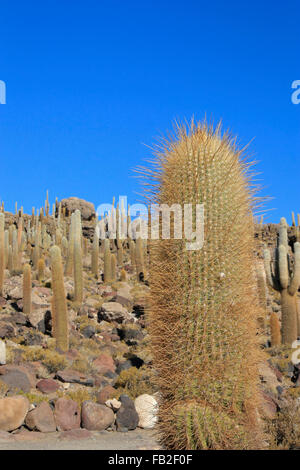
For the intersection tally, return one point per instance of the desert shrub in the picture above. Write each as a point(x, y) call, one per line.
point(51, 359)
point(135, 382)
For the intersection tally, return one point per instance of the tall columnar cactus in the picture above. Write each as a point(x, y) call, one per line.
point(286, 280)
point(59, 301)
point(95, 254)
point(70, 257)
point(113, 267)
point(27, 289)
point(41, 269)
point(107, 261)
point(2, 253)
point(78, 268)
point(203, 302)
point(139, 258)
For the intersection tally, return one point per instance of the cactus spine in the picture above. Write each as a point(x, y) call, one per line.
point(27, 289)
point(281, 277)
point(59, 301)
point(203, 302)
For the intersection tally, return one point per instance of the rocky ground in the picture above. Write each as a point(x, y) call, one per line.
point(101, 393)
point(104, 383)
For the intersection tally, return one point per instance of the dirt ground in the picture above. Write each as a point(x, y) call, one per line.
point(104, 440)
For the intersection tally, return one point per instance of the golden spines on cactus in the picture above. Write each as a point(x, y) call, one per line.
point(123, 275)
point(203, 305)
point(41, 269)
point(275, 330)
point(59, 299)
point(27, 289)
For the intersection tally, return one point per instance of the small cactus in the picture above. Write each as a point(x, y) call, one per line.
point(280, 278)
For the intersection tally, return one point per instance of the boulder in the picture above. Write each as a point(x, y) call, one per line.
point(104, 363)
point(41, 418)
point(113, 311)
point(127, 418)
point(47, 386)
point(105, 394)
point(16, 380)
point(96, 417)
point(147, 408)
point(66, 414)
point(71, 204)
point(13, 411)
point(7, 330)
point(72, 376)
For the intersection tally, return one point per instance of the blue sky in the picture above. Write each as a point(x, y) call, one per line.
point(88, 83)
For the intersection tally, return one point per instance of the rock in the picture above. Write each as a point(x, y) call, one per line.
point(7, 330)
point(104, 364)
point(104, 394)
point(72, 376)
point(114, 404)
point(47, 386)
point(147, 408)
point(113, 311)
point(2, 353)
point(126, 417)
point(37, 319)
point(96, 417)
point(13, 411)
point(41, 418)
point(88, 331)
point(268, 406)
point(71, 204)
point(66, 414)
point(123, 366)
point(16, 380)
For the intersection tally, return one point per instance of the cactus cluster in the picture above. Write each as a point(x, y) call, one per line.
point(285, 278)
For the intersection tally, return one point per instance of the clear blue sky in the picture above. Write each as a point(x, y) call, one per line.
point(88, 82)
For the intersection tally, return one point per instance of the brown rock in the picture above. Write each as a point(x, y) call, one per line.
point(96, 417)
point(47, 386)
point(41, 418)
point(113, 311)
point(13, 411)
point(268, 408)
point(104, 363)
point(67, 414)
point(104, 394)
point(71, 204)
